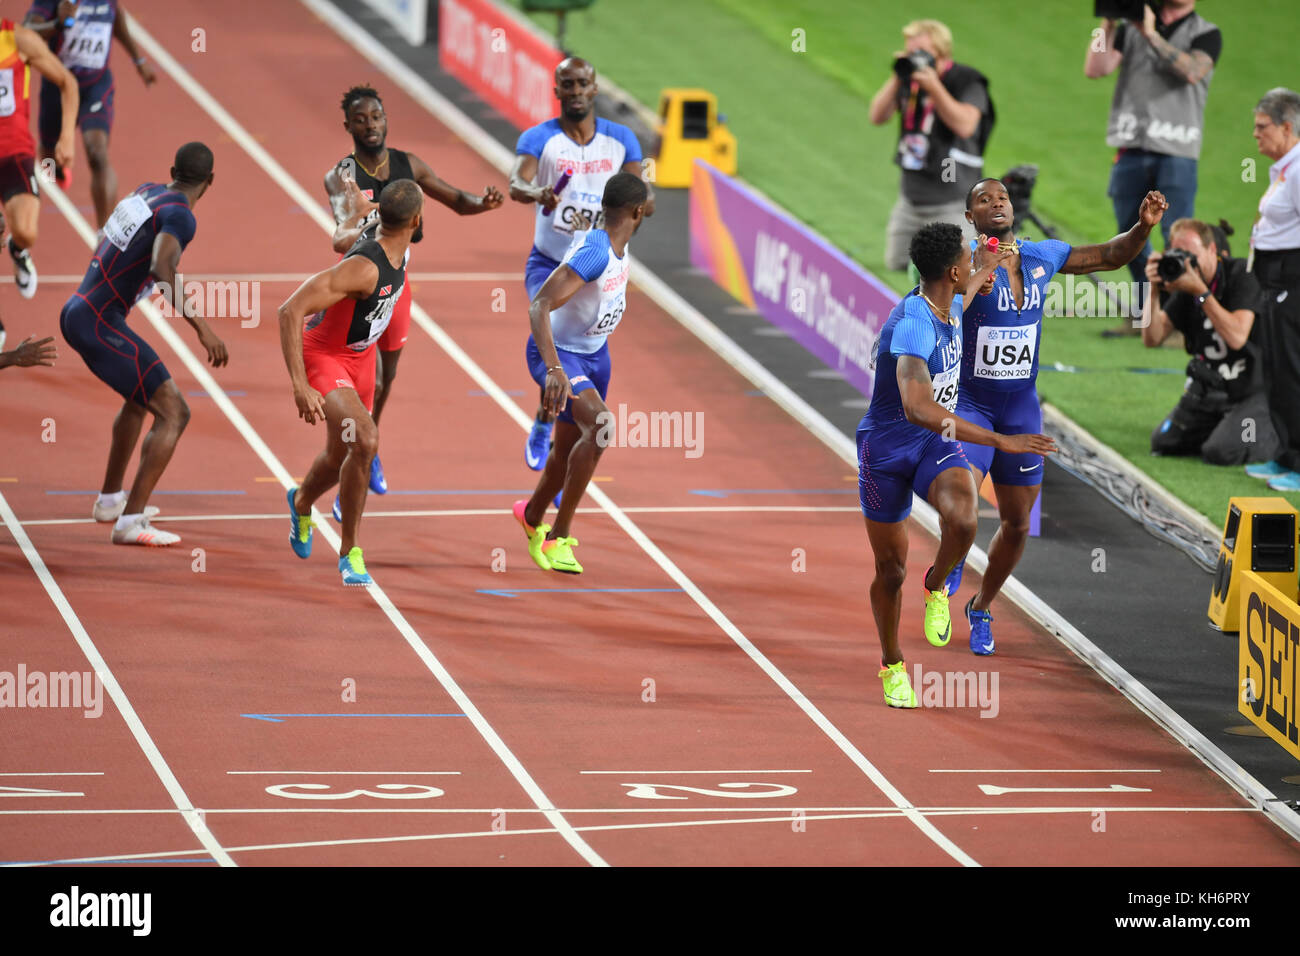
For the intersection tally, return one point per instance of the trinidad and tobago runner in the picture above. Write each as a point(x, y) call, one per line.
point(332, 367)
point(142, 241)
point(562, 165)
point(911, 441)
point(999, 366)
point(21, 50)
point(572, 316)
point(371, 166)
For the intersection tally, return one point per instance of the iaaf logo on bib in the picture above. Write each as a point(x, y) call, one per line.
point(75, 908)
point(626, 429)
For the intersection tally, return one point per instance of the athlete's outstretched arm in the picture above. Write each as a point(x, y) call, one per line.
point(123, 33)
point(559, 287)
point(33, 49)
point(458, 200)
point(353, 278)
point(1121, 250)
point(637, 168)
point(64, 11)
point(915, 388)
point(522, 188)
point(352, 210)
point(166, 257)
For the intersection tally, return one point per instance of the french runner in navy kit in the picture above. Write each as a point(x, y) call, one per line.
point(354, 186)
point(910, 440)
point(1000, 365)
point(332, 367)
point(143, 241)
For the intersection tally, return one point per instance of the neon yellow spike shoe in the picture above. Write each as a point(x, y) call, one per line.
point(938, 624)
point(898, 689)
point(353, 569)
point(536, 536)
point(559, 551)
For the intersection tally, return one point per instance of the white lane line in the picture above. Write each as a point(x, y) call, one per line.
point(193, 818)
point(500, 158)
point(690, 318)
point(268, 458)
point(69, 773)
point(631, 773)
point(452, 513)
point(859, 814)
point(486, 811)
point(350, 773)
point(1045, 771)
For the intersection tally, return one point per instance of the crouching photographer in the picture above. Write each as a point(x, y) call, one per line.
point(1211, 299)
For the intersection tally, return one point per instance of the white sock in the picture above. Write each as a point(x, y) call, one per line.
point(110, 501)
point(126, 521)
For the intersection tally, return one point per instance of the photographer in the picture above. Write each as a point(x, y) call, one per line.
point(1165, 62)
point(1275, 247)
point(1211, 299)
point(946, 118)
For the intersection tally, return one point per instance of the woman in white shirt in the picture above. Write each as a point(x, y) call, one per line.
point(1275, 254)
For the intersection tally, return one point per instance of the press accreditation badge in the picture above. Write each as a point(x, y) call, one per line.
point(131, 213)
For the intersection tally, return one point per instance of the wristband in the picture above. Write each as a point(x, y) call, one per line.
point(555, 368)
point(1200, 299)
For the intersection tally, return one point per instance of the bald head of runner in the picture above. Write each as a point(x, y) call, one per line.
point(191, 171)
point(400, 206)
point(989, 209)
point(575, 88)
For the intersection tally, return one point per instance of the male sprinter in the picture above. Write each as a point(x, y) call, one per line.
point(372, 165)
point(910, 440)
point(575, 311)
point(143, 241)
point(21, 49)
point(81, 34)
point(332, 367)
point(1000, 364)
point(584, 152)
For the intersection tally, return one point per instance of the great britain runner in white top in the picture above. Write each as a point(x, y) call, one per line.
point(571, 318)
point(563, 166)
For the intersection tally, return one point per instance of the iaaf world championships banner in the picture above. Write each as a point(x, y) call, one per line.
point(796, 279)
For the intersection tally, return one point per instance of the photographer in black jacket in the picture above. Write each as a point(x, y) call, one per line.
point(1211, 299)
point(946, 118)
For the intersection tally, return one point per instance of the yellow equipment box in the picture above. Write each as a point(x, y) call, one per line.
point(690, 129)
point(1259, 535)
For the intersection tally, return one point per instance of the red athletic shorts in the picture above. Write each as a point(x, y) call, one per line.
point(399, 326)
point(331, 368)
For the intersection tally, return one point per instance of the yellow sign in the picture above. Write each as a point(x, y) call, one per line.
point(1259, 534)
point(1268, 679)
point(690, 128)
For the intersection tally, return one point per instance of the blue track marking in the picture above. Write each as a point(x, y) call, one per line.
point(511, 592)
point(280, 718)
point(724, 492)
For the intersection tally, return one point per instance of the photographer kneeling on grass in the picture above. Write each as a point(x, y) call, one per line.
point(1211, 299)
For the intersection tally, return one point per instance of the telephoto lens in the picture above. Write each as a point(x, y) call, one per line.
point(1173, 264)
point(905, 66)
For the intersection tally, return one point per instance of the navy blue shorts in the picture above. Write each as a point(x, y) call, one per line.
point(584, 371)
point(1008, 413)
point(94, 112)
point(896, 460)
point(117, 356)
point(537, 270)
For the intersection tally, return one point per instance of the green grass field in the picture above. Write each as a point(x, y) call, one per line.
point(804, 139)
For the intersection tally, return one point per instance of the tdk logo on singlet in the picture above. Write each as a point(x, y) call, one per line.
point(1005, 352)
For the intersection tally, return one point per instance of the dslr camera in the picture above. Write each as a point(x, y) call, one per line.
point(1173, 264)
point(905, 66)
point(1123, 9)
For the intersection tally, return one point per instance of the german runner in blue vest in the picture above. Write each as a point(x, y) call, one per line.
point(1000, 344)
point(910, 441)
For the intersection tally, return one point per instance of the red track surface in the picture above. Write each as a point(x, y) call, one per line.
point(559, 676)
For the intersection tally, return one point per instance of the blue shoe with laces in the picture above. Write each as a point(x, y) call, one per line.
point(981, 633)
point(1287, 481)
point(299, 528)
point(538, 446)
point(353, 569)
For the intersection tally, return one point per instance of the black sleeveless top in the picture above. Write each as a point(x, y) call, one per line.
point(399, 167)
